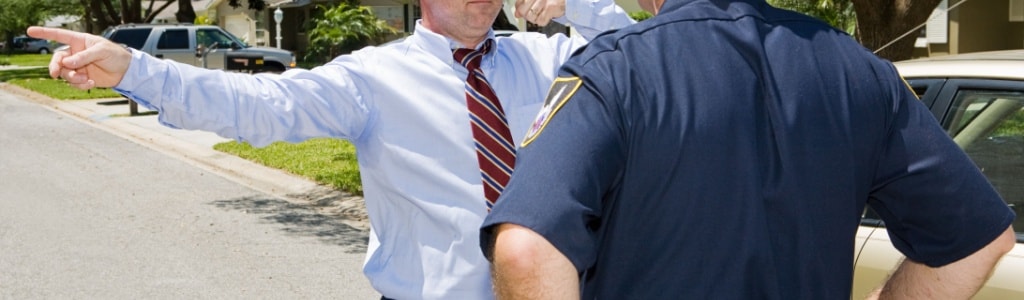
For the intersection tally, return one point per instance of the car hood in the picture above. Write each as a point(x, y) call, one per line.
point(269, 50)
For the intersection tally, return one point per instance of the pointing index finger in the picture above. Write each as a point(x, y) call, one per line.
point(75, 40)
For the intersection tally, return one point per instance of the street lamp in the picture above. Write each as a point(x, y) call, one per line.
point(278, 16)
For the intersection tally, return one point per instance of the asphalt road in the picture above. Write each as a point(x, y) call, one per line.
point(87, 214)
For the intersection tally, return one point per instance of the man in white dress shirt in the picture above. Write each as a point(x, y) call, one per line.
point(402, 105)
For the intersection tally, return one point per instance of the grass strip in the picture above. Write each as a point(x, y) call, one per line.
point(328, 161)
point(58, 89)
point(26, 60)
point(12, 74)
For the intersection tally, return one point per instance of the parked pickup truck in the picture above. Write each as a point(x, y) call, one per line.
point(200, 45)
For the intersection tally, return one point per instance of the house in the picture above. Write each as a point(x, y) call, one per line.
point(964, 26)
point(65, 21)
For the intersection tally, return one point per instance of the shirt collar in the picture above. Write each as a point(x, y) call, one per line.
point(440, 46)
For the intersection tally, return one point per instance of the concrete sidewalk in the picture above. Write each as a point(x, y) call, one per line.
point(196, 148)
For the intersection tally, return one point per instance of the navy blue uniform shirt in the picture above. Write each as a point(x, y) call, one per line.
point(727, 149)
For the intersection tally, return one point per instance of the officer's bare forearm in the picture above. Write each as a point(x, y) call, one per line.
point(527, 266)
point(957, 280)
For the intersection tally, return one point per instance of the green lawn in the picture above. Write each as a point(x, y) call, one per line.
point(38, 78)
point(40, 72)
point(331, 162)
point(25, 60)
point(58, 89)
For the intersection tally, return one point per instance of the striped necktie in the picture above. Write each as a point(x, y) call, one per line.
point(494, 149)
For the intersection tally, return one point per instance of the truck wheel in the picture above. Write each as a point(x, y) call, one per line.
point(273, 68)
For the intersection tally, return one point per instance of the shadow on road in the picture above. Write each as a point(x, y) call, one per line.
point(311, 220)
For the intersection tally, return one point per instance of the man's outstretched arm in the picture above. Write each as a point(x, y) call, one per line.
point(958, 280)
point(526, 266)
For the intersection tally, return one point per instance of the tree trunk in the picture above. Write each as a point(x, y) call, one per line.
point(186, 14)
point(87, 16)
point(111, 14)
point(101, 19)
point(152, 14)
point(880, 22)
point(125, 13)
point(135, 7)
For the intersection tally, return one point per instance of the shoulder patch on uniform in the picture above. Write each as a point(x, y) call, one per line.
point(561, 90)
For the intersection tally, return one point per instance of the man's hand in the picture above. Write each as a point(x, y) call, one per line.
point(540, 12)
point(89, 62)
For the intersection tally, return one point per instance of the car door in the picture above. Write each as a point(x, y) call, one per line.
point(986, 118)
point(217, 43)
point(175, 44)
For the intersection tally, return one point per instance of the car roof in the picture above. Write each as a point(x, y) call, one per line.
point(137, 25)
point(1006, 64)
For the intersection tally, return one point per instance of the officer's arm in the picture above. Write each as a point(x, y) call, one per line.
point(958, 280)
point(527, 266)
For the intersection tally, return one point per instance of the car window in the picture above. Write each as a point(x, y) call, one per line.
point(207, 37)
point(989, 126)
point(173, 39)
point(134, 38)
point(926, 89)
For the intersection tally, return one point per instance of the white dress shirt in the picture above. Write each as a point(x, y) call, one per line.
point(403, 106)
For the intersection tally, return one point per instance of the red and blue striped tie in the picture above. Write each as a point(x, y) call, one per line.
point(494, 149)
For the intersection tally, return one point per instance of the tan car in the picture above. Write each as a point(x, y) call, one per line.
point(979, 99)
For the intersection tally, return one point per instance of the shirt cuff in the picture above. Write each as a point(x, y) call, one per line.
point(592, 17)
point(144, 80)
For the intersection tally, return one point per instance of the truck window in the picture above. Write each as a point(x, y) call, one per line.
point(173, 39)
point(206, 37)
point(134, 38)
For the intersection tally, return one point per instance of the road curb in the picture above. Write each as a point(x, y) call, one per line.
point(253, 175)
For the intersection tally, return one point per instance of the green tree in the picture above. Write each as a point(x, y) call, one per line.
point(187, 14)
point(881, 22)
point(343, 28)
point(18, 15)
point(838, 13)
point(640, 15)
point(875, 23)
point(100, 14)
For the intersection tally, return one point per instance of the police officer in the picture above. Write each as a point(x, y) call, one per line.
point(726, 149)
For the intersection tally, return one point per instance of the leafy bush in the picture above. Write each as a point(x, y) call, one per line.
point(640, 15)
point(344, 28)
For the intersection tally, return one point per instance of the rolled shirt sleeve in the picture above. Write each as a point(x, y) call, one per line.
point(592, 17)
